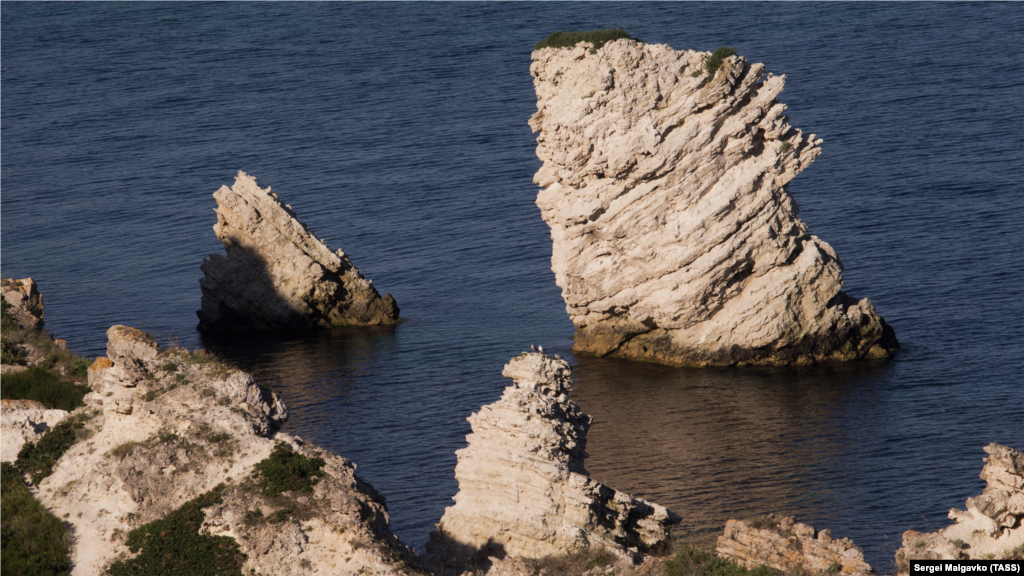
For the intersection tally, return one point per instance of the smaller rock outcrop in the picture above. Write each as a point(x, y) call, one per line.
point(26, 303)
point(992, 527)
point(164, 427)
point(24, 421)
point(523, 489)
point(277, 274)
point(790, 546)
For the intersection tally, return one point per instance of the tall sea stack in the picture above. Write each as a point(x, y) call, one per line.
point(674, 238)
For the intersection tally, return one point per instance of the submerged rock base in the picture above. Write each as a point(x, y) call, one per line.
point(277, 274)
point(523, 489)
point(674, 238)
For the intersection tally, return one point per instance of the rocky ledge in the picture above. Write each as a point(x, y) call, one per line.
point(523, 488)
point(790, 546)
point(277, 274)
point(675, 239)
point(992, 527)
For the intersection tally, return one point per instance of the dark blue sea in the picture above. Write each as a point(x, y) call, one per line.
point(398, 132)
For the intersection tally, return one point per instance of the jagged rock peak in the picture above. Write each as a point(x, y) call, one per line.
point(523, 488)
point(992, 527)
point(790, 546)
point(25, 301)
point(674, 238)
point(277, 274)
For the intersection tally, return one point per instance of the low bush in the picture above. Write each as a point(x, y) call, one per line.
point(37, 458)
point(285, 470)
point(693, 562)
point(762, 522)
point(575, 563)
point(11, 352)
point(173, 546)
point(596, 37)
point(714, 62)
point(33, 540)
point(44, 386)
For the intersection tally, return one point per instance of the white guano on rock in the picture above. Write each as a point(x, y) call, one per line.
point(674, 238)
point(523, 489)
point(277, 274)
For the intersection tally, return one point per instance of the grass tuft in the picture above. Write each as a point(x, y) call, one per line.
point(285, 470)
point(34, 541)
point(173, 546)
point(596, 37)
point(43, 385)
point(714, 62)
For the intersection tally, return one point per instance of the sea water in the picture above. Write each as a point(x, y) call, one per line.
point(398, 132)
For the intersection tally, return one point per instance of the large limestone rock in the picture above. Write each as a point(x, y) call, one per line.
point(992, 527)
point(523, 489)
point(162, 427)
point(790, 546)
point(277, 274)
point(674, 237)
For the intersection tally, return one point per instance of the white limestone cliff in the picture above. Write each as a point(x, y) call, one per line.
point(523, 489)
point(277, 274)
point(992, 527)
point(674, 238)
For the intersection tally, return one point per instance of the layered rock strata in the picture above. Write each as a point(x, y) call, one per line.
point(26, 303)
point(277, 274)
point(674, 238)
point(162, 427)
point(790, 546)
point(992, 527)
point(523, 488)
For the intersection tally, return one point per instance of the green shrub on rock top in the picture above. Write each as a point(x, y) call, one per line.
point(173, 546)
point(285, 470)
point(714, 62)
point(693, 562)
point(34, 541)
point(596, 37)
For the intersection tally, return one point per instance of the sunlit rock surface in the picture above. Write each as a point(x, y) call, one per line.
point(277, 274)
point(523, 489)
point(674, 238)
point(790, 546)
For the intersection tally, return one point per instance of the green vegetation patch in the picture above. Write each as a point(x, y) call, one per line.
point(714, 62)
point(285, 470)
point(37, 458)
point(44, 386)
point(173, 546)
point(8, 323)
point(34, 542)
point(693, 562)
point(596, 37)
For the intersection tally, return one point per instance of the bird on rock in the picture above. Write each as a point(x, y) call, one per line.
point(533, 347)
point(540, 349)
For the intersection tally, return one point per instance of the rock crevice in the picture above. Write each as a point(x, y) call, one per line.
point(277, 274)
point(674, 238)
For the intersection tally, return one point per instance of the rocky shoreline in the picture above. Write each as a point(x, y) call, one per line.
point(165, 431)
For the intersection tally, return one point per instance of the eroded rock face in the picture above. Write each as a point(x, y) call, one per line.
point(790, 546)
point(991, 527)
point(523, 489)
point(165, 426)
point(674, 238)
point(277, 274)
point(25, 300)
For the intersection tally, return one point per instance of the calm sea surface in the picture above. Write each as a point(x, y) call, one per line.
point(398, 132)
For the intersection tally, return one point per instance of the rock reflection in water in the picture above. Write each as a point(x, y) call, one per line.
point(725, 443)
